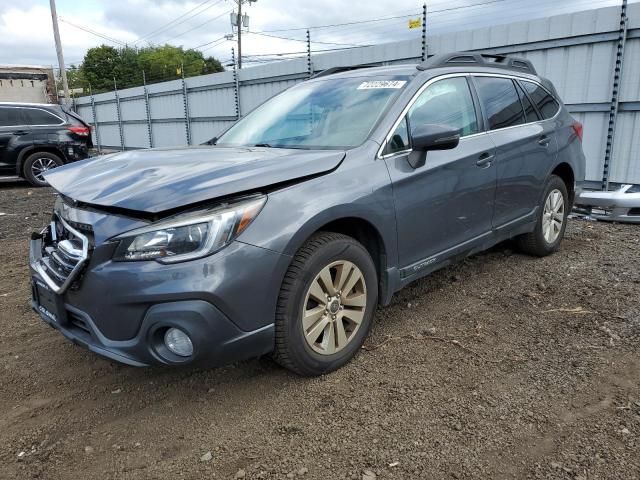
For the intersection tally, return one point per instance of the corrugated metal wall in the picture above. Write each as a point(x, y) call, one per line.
point(576, 51)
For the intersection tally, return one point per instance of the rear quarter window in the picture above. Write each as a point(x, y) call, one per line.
point(546, 104)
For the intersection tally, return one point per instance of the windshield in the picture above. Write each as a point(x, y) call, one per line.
point(334, 113)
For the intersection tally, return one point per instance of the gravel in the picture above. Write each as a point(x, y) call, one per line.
point(502, 366)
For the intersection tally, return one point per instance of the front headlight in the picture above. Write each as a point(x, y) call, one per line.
point(188, 236)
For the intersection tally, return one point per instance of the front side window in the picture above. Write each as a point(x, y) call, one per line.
point(399, 141)
point(547, 105)
point(446, 102)
point(326, 114)
point(35, 116)
point(10, 117)
point(500, 101)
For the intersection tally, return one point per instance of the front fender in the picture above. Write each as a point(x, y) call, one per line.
point(293, 214)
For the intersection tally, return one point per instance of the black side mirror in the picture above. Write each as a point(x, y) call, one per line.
point(431, 137)
point(212, 141)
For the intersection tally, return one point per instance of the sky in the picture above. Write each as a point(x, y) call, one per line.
point(26, 34)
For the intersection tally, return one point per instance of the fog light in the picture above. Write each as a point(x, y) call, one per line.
point(178, 342)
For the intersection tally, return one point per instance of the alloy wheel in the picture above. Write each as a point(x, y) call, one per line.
point(334, 307)
point(553, 216)
point(40, 166)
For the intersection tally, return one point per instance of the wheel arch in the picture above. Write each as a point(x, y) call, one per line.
point(566, 173)
point(362, 229)
point(24, 153)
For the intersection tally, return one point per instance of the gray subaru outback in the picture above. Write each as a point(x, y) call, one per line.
point(285, 235)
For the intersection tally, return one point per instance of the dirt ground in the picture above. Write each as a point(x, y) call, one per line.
point(504, 366)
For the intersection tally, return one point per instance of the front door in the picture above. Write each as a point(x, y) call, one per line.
point(12, 132)
point(447, 203)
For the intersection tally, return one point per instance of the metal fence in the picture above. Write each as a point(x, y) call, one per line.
point(593, 58)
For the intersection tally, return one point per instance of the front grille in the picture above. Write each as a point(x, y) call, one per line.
point(64, 252)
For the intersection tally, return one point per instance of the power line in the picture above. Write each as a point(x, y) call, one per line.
point(382, 19)
point(199, 25)
point(178, 20)
point(93, 32)
point(341, 24)
point(521, 9)
point(302, 52)
point(214, 45)
point(305, 41)
point(211, 44)
point(208, 43)
point(461, 7)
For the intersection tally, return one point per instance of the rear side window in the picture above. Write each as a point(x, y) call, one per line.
point(35, 116)
point(10, 117)
point(500, 102)
point(529, 112)
point(547, 105)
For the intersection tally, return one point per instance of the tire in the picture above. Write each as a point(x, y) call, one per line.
point(329, 336)
point(36, 164)
point(542, 241)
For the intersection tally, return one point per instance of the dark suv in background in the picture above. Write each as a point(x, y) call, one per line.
point(35, 138)
point(306, 214)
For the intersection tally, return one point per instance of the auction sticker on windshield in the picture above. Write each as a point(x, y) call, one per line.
point(382, 84)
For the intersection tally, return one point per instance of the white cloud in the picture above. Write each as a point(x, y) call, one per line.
point(26, 35)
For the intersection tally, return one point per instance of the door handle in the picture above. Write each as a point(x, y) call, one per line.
point(544, 141)
point(484, 160)
point(20, 132)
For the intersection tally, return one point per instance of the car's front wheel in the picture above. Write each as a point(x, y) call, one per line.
point(326, 305)
point(37, 164)
point(552, 220)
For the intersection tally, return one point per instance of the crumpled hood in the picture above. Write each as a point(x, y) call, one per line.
point(156, 180)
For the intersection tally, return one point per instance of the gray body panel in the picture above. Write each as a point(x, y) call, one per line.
point(425, 218)
point(447, 202)
point(523, 165)
point(157, 180)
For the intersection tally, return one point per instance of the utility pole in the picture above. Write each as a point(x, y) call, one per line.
point(239, 34)
point(239, 21)
point(56, 36)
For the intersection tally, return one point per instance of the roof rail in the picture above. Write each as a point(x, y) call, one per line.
point(332, 70)
point(478, 59)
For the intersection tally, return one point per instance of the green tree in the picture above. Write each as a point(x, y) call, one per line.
point(99, 66)
point(167, 62)
point(160, 63)
point(127, 71)
point(212, 65)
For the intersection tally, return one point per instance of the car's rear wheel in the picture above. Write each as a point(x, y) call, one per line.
point(326, 305)
point(552, 220)
point(37, 164)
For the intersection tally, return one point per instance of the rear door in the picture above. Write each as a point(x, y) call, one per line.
point(448, 201)
point(14, 134)
point(44, 126)
point(525, 147)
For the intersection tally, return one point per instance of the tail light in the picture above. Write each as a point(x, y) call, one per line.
point(577, 127)
point(80, 130)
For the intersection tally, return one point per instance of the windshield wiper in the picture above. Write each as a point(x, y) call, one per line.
point(266, 145)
